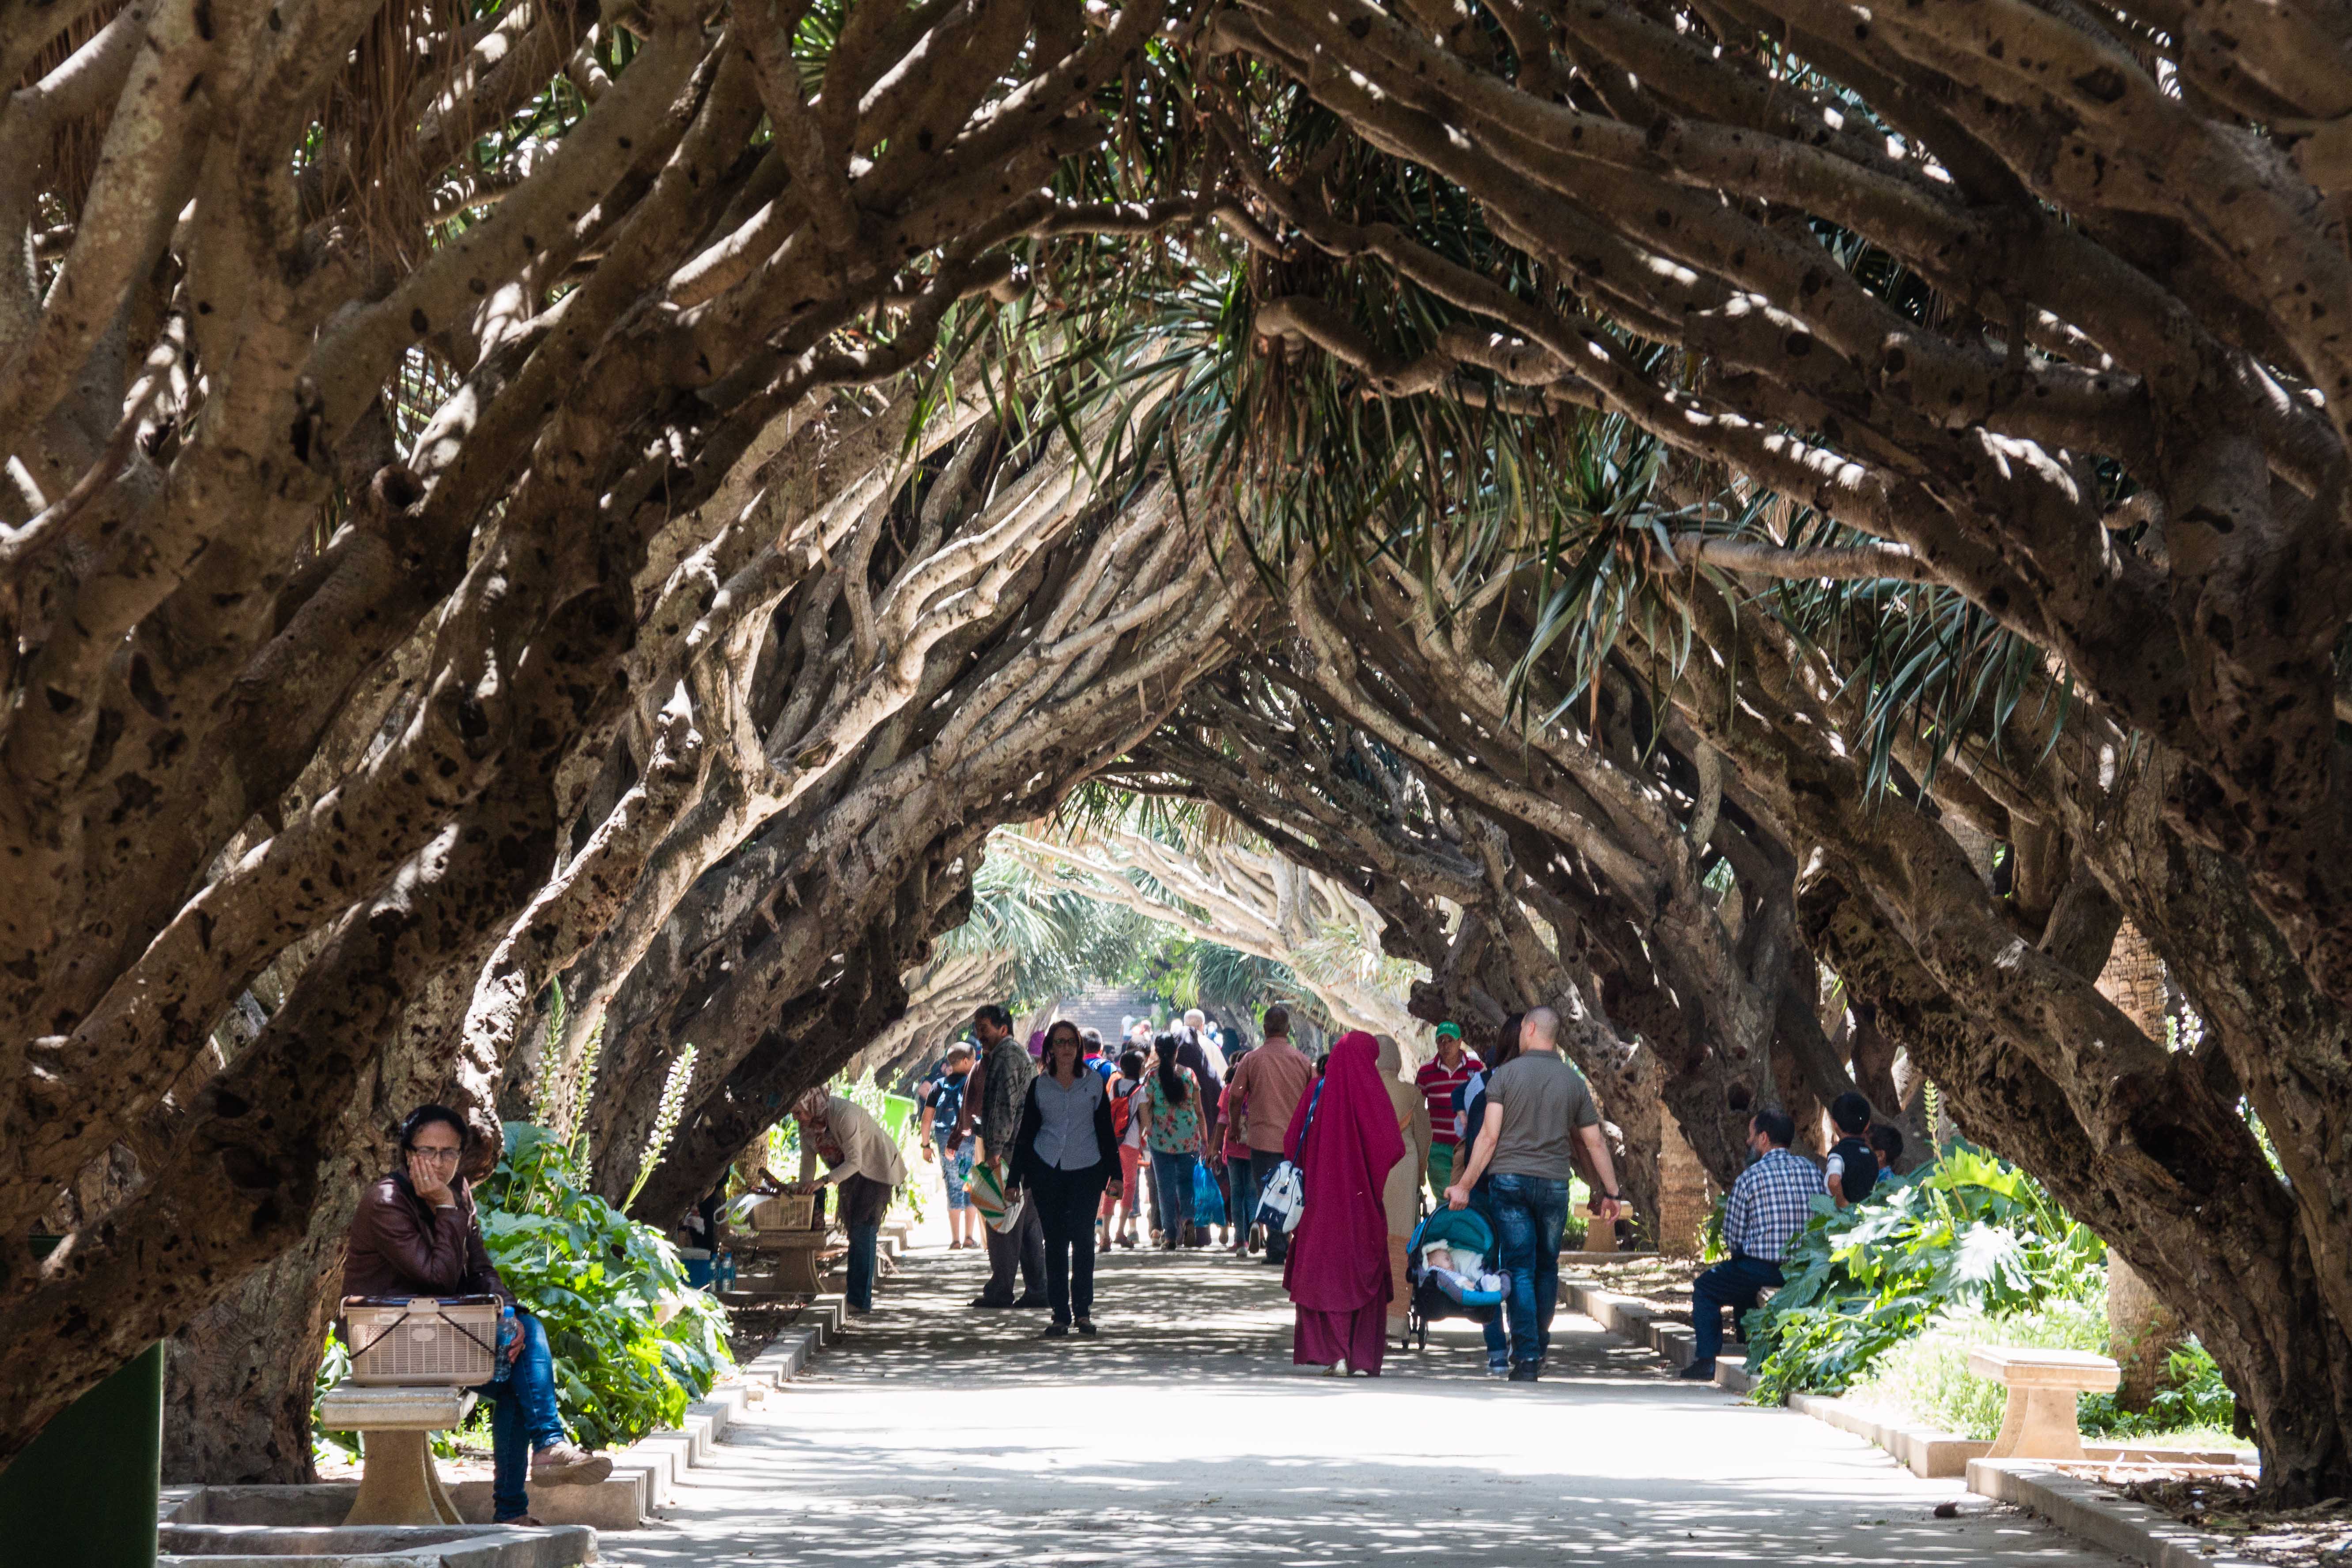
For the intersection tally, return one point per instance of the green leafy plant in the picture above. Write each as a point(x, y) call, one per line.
point(633, 1343)
point(334, 1365)
point(1969, 1231)
point(1927, 1378)
point(1712, 1247)
point(2192, 1405)
point(559, 1094)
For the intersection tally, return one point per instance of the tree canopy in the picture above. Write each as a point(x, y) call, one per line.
point(1774, 527)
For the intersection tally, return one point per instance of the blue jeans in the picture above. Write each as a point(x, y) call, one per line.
point(1530, 1212)
point(1241, 1197)
point(1732, 1283)
point(523, 1417)
point(1171, 1184)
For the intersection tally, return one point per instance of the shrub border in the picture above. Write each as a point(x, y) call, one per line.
point(2076, 1508)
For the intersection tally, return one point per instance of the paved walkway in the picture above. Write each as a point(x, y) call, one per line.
point(1182, 1437)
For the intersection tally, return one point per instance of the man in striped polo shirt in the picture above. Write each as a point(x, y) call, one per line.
point(1438, 1079)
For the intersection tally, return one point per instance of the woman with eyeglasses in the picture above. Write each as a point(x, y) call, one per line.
point(1065, 1153)
point(416, 1234)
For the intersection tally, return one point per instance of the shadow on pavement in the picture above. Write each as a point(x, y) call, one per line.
point(939, 1434)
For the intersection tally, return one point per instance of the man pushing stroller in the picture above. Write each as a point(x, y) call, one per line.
point(1539, 1108)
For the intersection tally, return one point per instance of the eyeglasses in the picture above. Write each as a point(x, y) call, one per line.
point(443, 1156)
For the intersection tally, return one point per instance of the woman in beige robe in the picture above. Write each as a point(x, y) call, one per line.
point(1401, 1196)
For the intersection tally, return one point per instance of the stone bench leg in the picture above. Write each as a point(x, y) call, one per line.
point(2038, 1424)
point(398, 1484)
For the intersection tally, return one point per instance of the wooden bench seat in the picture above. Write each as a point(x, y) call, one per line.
point(2039, 1423)
point(398, 1484)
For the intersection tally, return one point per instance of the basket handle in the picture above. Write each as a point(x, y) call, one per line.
point(359, 1351)
point(446, 1321)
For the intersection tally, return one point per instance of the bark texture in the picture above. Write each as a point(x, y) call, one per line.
point(371, 408)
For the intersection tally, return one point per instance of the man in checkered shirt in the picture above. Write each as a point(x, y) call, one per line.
point(1771, 1203)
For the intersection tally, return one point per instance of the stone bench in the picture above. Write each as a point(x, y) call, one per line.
point(782, 1262)
point(398, 1484)
point(2039, 1423)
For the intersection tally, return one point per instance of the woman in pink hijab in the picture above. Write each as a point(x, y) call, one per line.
point(1343, 1137)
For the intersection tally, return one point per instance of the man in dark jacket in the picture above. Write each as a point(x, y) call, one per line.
point(416, 1234)
point(991, 1104)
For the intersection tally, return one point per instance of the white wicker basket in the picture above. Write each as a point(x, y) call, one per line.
point(786, 1211)
point(450, 1341)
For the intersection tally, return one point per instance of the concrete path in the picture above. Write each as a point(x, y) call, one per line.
point(1182, 1437)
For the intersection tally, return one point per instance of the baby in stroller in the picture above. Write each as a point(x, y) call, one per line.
point(1450, 1267)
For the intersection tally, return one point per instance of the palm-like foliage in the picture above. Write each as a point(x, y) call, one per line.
point(1487, 493)
point(1054, 942)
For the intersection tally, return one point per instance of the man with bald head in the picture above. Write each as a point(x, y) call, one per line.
point(1542, 1109)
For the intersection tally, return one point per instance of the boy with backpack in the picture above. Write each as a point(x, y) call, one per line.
point(1853, 1163)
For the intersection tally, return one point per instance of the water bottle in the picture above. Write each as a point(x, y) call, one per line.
point(508, 1332)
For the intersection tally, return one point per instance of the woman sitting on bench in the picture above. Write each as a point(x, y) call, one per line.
point(416, 1234)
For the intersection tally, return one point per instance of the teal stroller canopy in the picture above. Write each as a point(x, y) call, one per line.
point(1463, 1229)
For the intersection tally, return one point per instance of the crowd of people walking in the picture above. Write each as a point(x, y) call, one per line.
point(1047, 1149)
point(1065, 1147)
point(1171, 1141)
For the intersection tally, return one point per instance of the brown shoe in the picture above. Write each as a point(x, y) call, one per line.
point(568, 1465)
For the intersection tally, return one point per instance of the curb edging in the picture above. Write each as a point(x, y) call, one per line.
point(1630, 1319)
point(663, 1457)
point(2081, 1510)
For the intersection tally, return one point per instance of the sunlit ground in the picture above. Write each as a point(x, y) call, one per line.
point(940, 1435)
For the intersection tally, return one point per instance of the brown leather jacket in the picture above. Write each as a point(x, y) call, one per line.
point(401, 1245)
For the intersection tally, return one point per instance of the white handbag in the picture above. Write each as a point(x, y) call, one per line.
point(1284, 1202)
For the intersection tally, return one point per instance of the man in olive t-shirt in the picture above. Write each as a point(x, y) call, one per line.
point(1543, 1109)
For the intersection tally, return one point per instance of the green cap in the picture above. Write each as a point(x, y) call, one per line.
point(1449, 1030)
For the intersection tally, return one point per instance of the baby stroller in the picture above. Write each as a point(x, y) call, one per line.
point(1450, 1271)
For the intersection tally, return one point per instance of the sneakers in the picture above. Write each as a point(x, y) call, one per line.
point(568, 1465)
point(1523, 1371)
point(1698, 1372)
point(1086, 1327)
point(1498, 1369)
point(1054, 1331)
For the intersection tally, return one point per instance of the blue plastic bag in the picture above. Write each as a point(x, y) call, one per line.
point(1208, 1198)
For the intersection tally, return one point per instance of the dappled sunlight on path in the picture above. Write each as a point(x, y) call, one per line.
point(1182, 1435)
